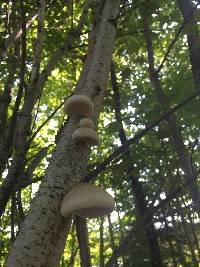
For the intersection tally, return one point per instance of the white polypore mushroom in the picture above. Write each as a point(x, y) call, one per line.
point(86, 135)
point(79, 105)
point(86, 122)
point(88, 201)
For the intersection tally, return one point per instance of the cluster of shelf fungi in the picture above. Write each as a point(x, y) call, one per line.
point(84, 199)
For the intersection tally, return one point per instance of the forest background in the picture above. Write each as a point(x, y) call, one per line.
point(148, 159)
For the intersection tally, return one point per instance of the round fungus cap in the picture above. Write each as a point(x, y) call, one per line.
point(79, 105)
point(86, 122)
point(86, 135)
point(88, 201)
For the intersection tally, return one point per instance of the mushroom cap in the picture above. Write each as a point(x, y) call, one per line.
point(86, 122)
point(88, 201)
point(87, 135)
point(79, 105)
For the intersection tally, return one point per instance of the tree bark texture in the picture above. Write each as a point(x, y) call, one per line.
point(175, 131)
point(42, 237)
point(137, 188)
point(82, 235)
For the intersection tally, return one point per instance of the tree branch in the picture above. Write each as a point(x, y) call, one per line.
point(121, 149)
point(176, 37)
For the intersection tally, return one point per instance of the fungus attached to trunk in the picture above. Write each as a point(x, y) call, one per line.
point(86, 135)
point(88, 201)
point(79, 105)
point(86, 122)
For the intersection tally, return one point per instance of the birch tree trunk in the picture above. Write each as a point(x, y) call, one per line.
point(43, 233)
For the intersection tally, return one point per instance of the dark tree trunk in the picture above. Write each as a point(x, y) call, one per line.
point(196, 241)
point(193, 37)
point(112, 240)
point(187, 234)
point(82, 235)
point(172, 252)
point(101, 246)
point(178, 241)
point(137, 189)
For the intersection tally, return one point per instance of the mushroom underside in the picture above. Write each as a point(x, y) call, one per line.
point(87, 135)
point(79, 105)
point(79, 108)
point(93, 212)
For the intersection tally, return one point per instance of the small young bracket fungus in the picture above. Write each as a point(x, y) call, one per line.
point(86, 135)
point(79, 105)
point(86, 122)
point(88, 201)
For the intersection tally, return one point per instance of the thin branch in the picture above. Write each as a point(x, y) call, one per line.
point(35, 162)
point(47, 120)
point(20, 207)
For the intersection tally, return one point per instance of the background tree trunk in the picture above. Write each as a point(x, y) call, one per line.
point(101, 243)
point(137, 189)
point(184, 159)
point(82, 235)
point(193, 37)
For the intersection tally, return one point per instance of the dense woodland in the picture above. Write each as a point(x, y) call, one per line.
point(140, 63)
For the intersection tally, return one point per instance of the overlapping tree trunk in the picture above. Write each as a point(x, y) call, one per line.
point(43, 233)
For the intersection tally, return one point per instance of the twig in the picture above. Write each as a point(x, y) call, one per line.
point(46, 121)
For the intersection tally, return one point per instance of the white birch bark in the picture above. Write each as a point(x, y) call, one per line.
point(42, 237)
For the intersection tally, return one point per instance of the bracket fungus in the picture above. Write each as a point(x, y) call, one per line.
point(86, 135)
point(79, 105)
point(86, 122)
point(87, 201)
